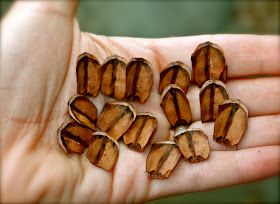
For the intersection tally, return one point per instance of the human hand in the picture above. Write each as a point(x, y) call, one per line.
point(39, 48)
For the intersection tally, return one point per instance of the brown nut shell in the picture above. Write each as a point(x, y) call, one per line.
point(162, 159)
point(83, 111)
point(193, 144)
point(211, 95)
point(230, 123)
point(139, 133)
point(113, 77)
point(88, 75)
point(176, 106)
point(139, 80)
point(208, 62)
point(175, 73)
point(103, 151)
point(74, 138)
point(116, 118)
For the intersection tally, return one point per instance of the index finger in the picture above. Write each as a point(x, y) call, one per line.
point(223, 168)
point(246, 55)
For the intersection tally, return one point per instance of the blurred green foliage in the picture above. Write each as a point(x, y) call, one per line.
point(164, 18)
point(266, 191)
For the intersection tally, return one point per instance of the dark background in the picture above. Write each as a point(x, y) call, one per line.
point(165, 18)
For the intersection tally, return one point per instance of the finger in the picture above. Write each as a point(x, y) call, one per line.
point(261, 96)
point(62, 8)
point(252, 92)
point(246, 55)
point(224, 168)
point(38, 40)
point(261, 131)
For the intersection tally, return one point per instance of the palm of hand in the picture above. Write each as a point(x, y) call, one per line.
point(38, 78)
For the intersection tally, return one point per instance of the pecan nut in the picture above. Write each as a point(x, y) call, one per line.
point(230, 123)
point(88, 75)
point(208, 62)
point(162, 159)
point(175, 73)
point(139, 80)
point(103, 151)
point(211, 95)
point(176, 106)
point(116, 118)
point(113, 77)
point(74, 138)
point(193, 144)
point(83, 111)
point(139, 133)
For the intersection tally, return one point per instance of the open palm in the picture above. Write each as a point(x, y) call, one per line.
point(39, 48)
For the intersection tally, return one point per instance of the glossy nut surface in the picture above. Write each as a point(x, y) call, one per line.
point(230, 123)
point(103, 151)
point(139, 133)
point(175, 73)
point(74, 138)
point(193, 144)
point(211, 95)
point(116, 118)
point(139, 80)
point(113, 77)
point(83, 111)
point(208, 62)
point(162, 159)
point(176, 106)
point(88, 75)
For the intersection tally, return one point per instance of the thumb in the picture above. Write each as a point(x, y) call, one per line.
point(67, 8)
point(37, 39)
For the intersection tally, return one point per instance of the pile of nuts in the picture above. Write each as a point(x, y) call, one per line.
point(133, 81)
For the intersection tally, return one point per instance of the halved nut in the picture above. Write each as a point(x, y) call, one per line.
point(139, 133)
point(74, 138)
point(211, 95)
point(83, 111)
point(230, 123)
point(103, 151)
point(139, 80)
point(176, 106)
point(162, 159)
point(175, 73)
point(193, 144)
point(113, 76)
point(88, 75)
point(208, 62)
point(116, 118)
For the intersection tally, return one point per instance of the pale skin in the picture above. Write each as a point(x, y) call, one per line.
point(40, 43)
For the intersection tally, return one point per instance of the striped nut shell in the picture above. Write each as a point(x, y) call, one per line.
point(116, 118)
point(83, 111)
point(230, 123)
point(74, 138)
point(175, 73)
point(208, 62)
point(176, 106)
point(193, 144)
point(139, 133)
point(103, 151)
point(113, 77)
point(162, 159)
point(88, 75)
point(211, 95)
point(139, 80)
